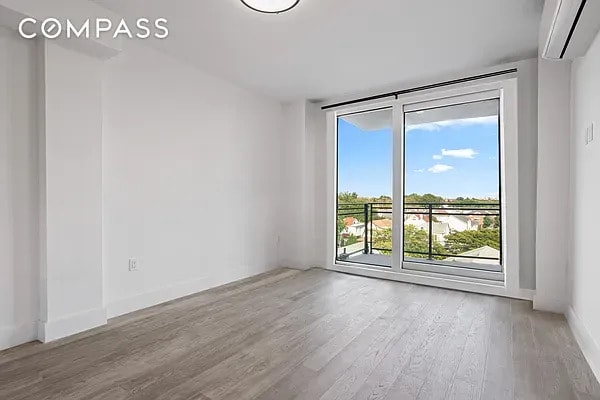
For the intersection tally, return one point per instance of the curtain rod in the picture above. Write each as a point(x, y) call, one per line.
point(421, 88)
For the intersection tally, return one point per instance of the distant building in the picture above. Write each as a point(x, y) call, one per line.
point(348, 221)
point(490, 253)
point(419, 221)
point(439, 231)
point(357, 229)
point(459, 223)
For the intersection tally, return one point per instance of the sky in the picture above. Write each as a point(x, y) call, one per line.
point(451, 159)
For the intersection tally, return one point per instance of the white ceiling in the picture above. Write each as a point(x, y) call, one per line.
point(327, 48)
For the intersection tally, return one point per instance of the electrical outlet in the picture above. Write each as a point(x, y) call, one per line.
point(133, 265)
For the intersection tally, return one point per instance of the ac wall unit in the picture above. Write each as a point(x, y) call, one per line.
point(574, 26)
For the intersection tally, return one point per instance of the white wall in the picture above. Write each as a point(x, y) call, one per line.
point(18, 191)
point(191, 180)
point(584, 271)
point(303, 237)
point(191, 185)
point(552, 185)
point(316, 128)
point(528, 153)
point(71, 192)
point(294, 233)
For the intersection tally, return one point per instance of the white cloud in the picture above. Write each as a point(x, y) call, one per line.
point(437, 157)
point(439, 168)
point(436, 126)
point(419, 170)
point(459, 153)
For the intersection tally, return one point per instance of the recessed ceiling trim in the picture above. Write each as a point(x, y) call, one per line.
point(270, 6)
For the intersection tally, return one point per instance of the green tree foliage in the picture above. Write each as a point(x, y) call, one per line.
point(415, 240)
point(340, 227)
point(351, 205)
point(460, 242)
point(347, 197)
point(490, 222)
point(350, 240)
point(384, 199)
point(473, 202)
point(423, 198)
point(383, 240)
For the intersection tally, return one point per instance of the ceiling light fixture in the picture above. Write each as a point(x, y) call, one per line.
point(271, 6)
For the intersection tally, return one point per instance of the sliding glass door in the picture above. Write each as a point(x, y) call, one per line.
point(419, 185)
point(364, 214)
point(451, 174)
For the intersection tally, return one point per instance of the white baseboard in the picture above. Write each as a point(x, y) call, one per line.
point(587, 343)
point(293, 266)
point(71, 325)
point(149, 299)
point(11, 336)
point(552, 305)
point(175, 291)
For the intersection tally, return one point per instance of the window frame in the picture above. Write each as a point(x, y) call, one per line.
point(506, 284)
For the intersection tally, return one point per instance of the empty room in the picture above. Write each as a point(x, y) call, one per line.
point(299, 199)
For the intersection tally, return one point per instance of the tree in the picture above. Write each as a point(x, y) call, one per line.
point(490, 222)
point(350, 240)
point(415, 240)
point(383, 240)
point(423, 199)
point(461, 242)
point(340, 225)
point(350, 204)
point(347, 197)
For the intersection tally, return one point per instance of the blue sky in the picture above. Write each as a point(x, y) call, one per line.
point(449, 159)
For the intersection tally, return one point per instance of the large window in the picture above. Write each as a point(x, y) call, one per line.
point(452, 213)
point(421, 184)
point(364, 188)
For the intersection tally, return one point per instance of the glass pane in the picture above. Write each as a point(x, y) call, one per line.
point(452, 186)
point(364, 198)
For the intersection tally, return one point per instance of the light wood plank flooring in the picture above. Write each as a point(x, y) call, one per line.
point(312, 335)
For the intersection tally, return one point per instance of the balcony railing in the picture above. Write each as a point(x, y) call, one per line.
point(375, 218)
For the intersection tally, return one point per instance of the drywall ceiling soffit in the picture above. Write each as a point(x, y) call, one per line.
point(323, 49)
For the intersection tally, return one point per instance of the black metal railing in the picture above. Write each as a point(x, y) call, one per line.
point(474, 212)
point(367, 214)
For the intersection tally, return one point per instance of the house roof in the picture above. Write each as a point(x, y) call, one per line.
point(464, 218)
point(348, 221)
point(485, 251)
point(383, 223)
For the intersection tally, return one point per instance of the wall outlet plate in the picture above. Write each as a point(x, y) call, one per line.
point(133, 265)
point(589, 134)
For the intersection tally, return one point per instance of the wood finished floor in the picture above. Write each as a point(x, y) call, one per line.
point(312, 335)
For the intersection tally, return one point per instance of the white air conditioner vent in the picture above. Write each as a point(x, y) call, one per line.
point(574, 26)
